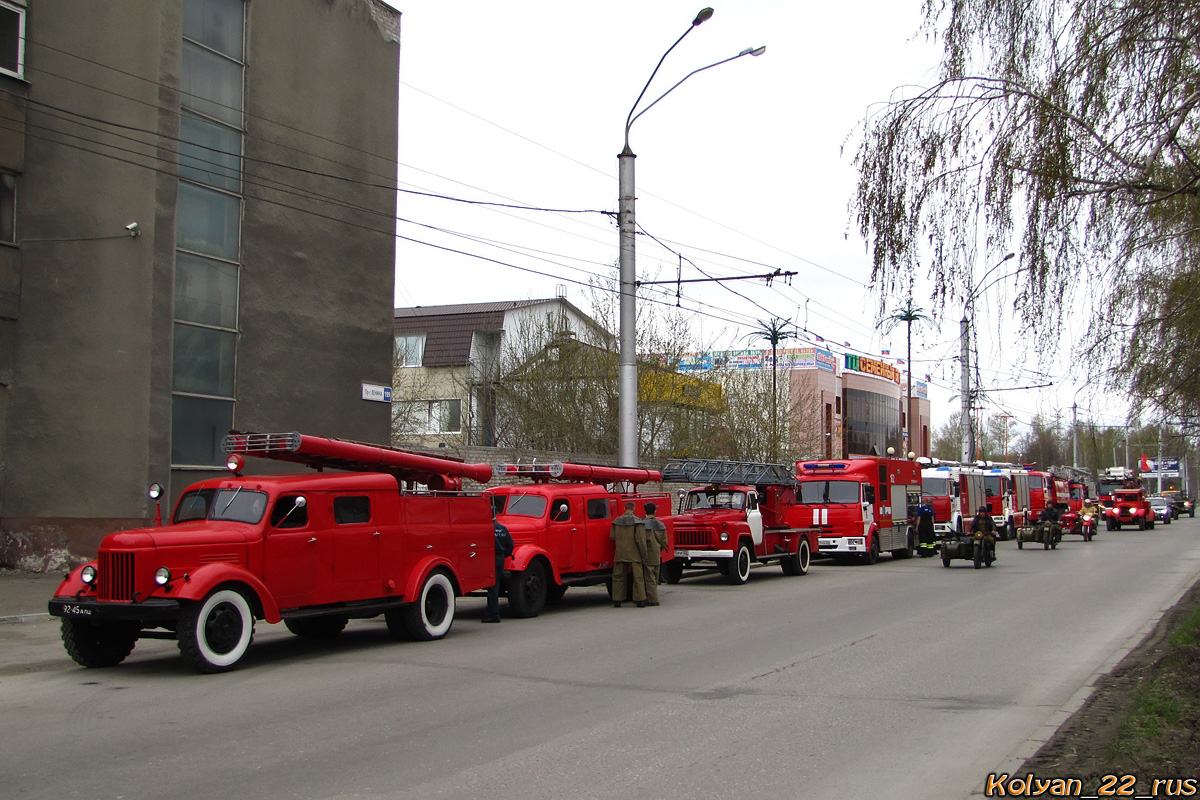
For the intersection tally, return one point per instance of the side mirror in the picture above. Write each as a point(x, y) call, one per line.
point(301, 502)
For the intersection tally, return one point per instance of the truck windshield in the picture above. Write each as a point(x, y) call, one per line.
point(935, 487)
point(716, 498)
point(236, 505)
point(816, 493)
point(991, 485)
point(526, 505)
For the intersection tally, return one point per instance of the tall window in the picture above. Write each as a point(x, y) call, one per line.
point(434, 416)
point(208, 217)
point(12, 39)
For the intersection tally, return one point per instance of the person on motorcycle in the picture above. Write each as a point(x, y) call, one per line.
point(1051, 520)
point(982, 523)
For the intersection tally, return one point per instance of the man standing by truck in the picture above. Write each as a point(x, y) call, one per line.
point(630, 537)
point(656, 543)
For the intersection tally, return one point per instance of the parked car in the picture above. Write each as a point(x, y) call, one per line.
point(1181, 502)
point(1163, 510)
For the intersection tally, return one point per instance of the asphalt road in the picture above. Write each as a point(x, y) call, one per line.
point(899, 680)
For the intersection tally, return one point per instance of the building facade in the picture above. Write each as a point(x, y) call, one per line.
point(196, 234)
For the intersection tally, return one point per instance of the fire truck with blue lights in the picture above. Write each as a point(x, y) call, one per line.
point(560, 522)
point(742, 512)
point(863, 506)
point(394, 534)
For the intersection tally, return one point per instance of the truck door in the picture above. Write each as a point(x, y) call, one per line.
point(292, 552)
point(598, 548)
point(868, 507)
point(562, 531)
point(754, 518)
point(356, 537)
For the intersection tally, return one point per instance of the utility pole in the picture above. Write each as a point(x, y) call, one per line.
point(1158, 464)
point(1075, 435)
point(968, 428)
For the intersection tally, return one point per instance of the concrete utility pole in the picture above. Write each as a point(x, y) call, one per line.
point(968, 428)
point(1075, 435)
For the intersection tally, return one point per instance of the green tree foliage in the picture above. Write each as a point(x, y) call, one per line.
point(1069, 126)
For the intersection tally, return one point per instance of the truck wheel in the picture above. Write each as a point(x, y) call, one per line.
point(1010, 530)
point(673, 571)
point(317, 627)
point(872, 554)
point(527, 590)
point(739, 565)
point(214, 634)
point(1141, 523)
point(430, 616)
point(98, 644)
point(798, 564)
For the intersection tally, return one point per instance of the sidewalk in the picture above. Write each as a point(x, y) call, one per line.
point(24, 594)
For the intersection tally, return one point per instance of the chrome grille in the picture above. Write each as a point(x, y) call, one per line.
point(692, 537)
point(116, 576)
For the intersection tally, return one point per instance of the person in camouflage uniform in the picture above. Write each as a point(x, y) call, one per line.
point(630, 537)
point(656, 543)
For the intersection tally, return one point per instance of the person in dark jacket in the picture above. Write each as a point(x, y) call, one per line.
point(656, 543)
point(925, 537)
point(629, 534)
point(504, 549)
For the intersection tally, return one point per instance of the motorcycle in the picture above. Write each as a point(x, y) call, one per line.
point(1088, 526)
point(978, 548)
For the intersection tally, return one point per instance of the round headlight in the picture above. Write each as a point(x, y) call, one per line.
point(162, 576)
point(155, 491)
point(724, 536)
point(235, 463)
point(88, 574)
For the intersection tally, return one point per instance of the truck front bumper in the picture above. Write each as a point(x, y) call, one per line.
point(843, 544)
point(698, 554)
point(154, 610)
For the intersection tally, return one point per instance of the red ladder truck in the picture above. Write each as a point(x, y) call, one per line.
point(560, 521)
point(743, 512)
point(311, 550)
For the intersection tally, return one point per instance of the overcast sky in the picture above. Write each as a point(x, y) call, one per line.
point(744, 169)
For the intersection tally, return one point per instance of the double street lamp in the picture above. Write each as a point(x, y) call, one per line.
point(627, 366)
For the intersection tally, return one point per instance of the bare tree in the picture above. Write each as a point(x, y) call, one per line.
point(1072, 126)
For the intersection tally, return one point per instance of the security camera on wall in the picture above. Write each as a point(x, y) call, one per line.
point(133, 229)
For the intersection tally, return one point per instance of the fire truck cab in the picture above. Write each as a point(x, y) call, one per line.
point(743, 512)
point(560, 521)
point(953, 492)
point(862, 505)
point(311, 550)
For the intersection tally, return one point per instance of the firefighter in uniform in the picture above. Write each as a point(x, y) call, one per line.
point(630, 537)
point(925, 538)
point(656, 543)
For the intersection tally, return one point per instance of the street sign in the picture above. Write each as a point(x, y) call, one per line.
point(377, 393)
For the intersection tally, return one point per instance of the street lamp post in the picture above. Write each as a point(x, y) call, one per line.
point(627, 364)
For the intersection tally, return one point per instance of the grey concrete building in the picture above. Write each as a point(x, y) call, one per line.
point(197, 216)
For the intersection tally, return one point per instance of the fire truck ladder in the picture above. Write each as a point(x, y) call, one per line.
point(707, 470)
point(438, 472)
point(584, 473)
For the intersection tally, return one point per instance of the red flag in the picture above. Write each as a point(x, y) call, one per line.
point(1144, 464)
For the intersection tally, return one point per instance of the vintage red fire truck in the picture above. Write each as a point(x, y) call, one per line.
point(1129, 507)
point(862, 505)
point(953, 491)
point(560, 522)
point(311, 550)
point(742, 512)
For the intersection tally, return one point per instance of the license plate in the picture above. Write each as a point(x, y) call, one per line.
point(76, 611)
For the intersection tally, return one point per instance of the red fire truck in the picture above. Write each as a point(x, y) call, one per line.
point(862, 505)
point(560, 522)
point(741, 513)
point(953, 492)
point(311, 550)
